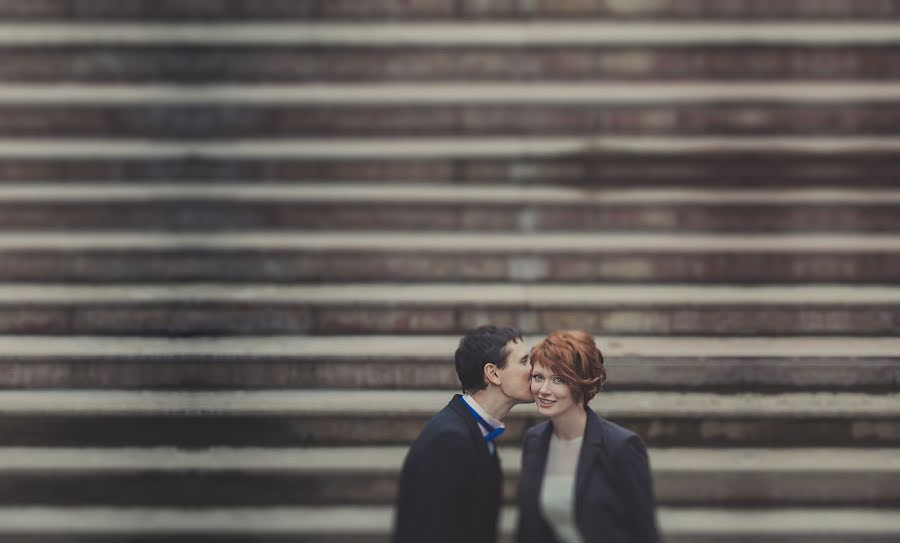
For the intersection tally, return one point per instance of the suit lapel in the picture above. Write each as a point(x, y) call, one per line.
point(590, 457)
point(538, 448)
point(474, 431)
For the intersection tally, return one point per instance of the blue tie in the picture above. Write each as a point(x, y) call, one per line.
point(492, 433)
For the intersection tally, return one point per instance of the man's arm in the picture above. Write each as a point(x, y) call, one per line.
point(432, 492)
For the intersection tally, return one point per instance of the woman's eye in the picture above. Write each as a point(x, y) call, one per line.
point(536, 377)
point(557, 380)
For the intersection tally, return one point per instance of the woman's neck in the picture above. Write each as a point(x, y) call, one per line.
point(570, 425)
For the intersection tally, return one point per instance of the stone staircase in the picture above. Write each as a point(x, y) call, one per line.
point(239, 240)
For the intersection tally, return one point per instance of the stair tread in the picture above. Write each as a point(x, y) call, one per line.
point(520, 295)
point(425, 403)
point(398, 346)
point(357, 519)
point(362, 460)
point(533, 243)
point(452, 34)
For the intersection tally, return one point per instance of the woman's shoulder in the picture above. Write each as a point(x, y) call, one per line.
point(617, 436)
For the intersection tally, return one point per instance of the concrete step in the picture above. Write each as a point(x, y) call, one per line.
point(372, 524)
point(343, 418)
point(200, 206)
point(434, 193)
point(362, 64)
point(93, 58)
point(469, 94)
point(442, 147)
point(145, 10)
point(170, 122)
point(738, 161)
point(452, 34)
point(587, 169)
point(374, 308)
point(266, 256)
point(368, 476)
point(746, 477)
point(621, 119)
point(425, 362)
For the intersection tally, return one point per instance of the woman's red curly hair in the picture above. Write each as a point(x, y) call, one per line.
point(574, 356)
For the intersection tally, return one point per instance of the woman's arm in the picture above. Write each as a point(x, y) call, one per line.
point(636, 488)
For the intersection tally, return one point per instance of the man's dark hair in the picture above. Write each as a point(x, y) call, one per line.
point(483, 345)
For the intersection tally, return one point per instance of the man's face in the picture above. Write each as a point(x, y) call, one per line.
point(516, 376)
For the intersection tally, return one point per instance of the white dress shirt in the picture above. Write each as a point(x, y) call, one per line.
point(558, 489)
point(487, 418)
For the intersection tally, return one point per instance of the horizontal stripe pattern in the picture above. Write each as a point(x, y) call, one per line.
point(364, 520)
point(442, 294)
point(432, 193)
point(438, 147)
point(531, 243)
point(425, 403)
point(416, 347)
point(351, 460)
point(425, 93)
point(450, 34)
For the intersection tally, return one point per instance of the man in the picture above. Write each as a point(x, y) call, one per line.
point(450, 488)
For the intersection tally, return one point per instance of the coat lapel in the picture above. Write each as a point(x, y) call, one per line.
point(591, 457)
point(457, 405)
point(534, 462)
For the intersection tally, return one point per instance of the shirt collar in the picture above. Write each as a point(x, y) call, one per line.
point(484, 414)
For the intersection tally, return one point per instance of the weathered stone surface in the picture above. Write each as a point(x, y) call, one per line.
point(468, 9)
point(263, 372)
point(173, 121)
point(315, 64)
point(304, 431)
point(287, 266)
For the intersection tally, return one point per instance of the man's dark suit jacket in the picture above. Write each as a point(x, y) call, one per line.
point(614, 500)
point(450, 488)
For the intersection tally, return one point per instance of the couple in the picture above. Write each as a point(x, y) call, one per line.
point(583, 478)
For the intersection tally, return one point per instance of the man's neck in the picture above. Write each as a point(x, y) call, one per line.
point(497, 405)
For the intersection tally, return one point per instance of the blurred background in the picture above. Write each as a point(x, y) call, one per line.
point(239, 241)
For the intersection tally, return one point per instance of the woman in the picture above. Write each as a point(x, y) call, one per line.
point(583, 478)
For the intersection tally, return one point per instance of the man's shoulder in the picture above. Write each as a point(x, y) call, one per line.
point(447, 426)
point(446, 423)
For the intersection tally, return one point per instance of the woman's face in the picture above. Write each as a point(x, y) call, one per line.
point(551, 394)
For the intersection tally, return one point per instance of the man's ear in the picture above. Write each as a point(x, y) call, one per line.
point(490, 374)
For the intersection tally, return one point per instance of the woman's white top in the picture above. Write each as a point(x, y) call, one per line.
point(558, 488)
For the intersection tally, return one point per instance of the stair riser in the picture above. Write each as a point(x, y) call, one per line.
point(382, 536)
point(195, 215)
point(187, 215)
point(192, 64)
point(428, 9)
point(287, 266)
point(355, 430)
point(707, 432)
point(591, 169)
point(626, 373)
point(275, 121)
point(199, 488)
point(210, 536)
point(191, 319)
